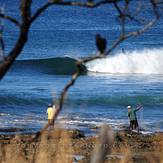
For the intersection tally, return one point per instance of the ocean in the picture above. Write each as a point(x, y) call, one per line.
point(131, 75)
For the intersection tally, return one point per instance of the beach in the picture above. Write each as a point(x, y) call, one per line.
point(73, 146)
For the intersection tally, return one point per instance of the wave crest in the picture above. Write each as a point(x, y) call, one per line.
point(56, 66)
point(147, 61)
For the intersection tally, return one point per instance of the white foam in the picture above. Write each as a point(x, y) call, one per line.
point(146, 132)
point(147, 61)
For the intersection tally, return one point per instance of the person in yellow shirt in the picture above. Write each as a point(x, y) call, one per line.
point(51, 110)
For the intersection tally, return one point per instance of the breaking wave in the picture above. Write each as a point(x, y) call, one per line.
point(56, 66)
point(147, 61)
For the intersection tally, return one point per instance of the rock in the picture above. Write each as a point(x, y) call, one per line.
point(76, 134)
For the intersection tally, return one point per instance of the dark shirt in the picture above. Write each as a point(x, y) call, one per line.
point(132, 114)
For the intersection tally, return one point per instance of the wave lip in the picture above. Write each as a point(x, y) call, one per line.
point(55, 66)
point(147, 61)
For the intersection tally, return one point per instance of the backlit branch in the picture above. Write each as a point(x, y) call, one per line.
point(159, 2)
point(155, 9)
point(11, 19)
point(70, 3)
point(39, 11)
point(22, 39)
point(142, 30)
point(2, 44)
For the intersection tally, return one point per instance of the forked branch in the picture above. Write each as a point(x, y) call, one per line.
point(11, 19)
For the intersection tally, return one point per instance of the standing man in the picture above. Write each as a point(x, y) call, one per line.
point(132, 117)
point(51, 111)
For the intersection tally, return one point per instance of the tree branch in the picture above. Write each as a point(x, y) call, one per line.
point(69, 3)
point(2, 44)
point(23, 36)
point(142, 30)
point(39, 11)
point(11, 19)
point(88, 4)
point(154, 6)
point(159, 2)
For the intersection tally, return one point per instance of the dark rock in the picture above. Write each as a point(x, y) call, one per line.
point(76, 134)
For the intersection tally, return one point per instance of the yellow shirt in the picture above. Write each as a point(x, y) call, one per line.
point(50, 112)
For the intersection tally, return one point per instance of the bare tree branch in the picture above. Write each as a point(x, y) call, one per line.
point(2, 41)
point(23, 36)
point(154, 6)
point(26, 11)
point(134, 16)
point(142, 30)
point(147, 26)
point(159, 2)
point(11, 19)
point(39, 11)
point(81, 4)
point(69, 3)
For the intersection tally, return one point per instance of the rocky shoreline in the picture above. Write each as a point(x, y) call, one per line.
point(73, 146)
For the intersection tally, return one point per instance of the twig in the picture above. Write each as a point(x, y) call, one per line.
point(23, 37)
point(70, 3)
point(11, 19)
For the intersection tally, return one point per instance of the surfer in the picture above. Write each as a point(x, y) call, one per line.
point(132, 117)
point(51, 111)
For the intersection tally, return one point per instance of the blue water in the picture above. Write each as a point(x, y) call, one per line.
point(64, 34)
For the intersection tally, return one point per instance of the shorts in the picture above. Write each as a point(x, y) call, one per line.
point(134, 123)
point(51, 121)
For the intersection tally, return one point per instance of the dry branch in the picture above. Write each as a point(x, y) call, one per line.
point(22, 39)
point(11, 19)
point(70, 3)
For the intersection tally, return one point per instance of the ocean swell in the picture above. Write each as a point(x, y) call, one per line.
point(150, 100)
point(56, 66)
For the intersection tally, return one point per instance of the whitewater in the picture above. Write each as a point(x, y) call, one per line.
point(147, 61)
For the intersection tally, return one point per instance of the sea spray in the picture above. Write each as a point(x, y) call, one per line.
point(147, 61)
